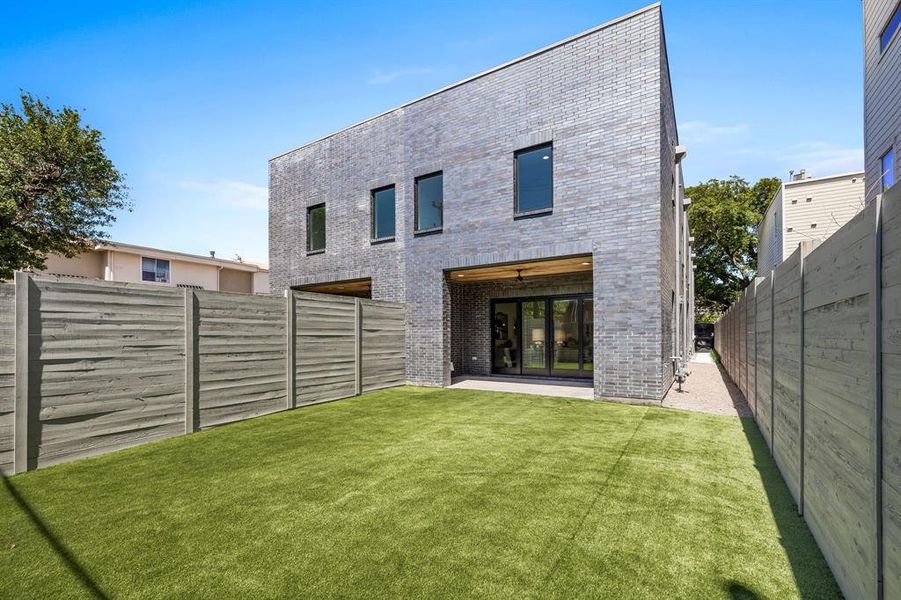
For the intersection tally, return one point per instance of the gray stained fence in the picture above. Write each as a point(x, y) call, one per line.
point(820, 362)
point(88, 367)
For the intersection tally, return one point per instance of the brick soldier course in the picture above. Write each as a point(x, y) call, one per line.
point(603, 99)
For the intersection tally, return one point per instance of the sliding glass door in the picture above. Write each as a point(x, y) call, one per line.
point(547, 336)
point(534, 343)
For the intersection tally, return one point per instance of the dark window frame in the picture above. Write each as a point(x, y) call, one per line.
point(310, 249)
point(431, 230)
point(882, 170)
point(894, 19)
point(518, 214)
point(373, 239)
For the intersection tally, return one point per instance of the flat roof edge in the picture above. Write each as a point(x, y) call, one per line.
point(825, 177)
point(509, 63)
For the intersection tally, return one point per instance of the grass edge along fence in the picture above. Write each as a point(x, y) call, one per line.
point(815, 346)
point(89, 367)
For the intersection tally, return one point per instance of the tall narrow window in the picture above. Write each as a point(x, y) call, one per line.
point(154, 269)
point(534, 184)
point(429, 202)
point(891, 27)
point(888, 170)
point(383, 213)
point(316, 228)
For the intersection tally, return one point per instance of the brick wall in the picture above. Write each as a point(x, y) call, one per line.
point(598, 98)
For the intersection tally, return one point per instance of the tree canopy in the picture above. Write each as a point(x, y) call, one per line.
point(723, 218)
point(58, 190)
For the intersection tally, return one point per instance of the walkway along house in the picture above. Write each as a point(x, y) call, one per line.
point(531, 217)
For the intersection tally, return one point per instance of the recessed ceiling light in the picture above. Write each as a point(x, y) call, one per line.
point(459, 274)
point(586, 263)
point(545, 157)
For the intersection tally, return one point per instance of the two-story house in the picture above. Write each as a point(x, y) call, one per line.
point(530, 217)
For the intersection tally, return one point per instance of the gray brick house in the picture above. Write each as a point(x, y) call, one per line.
point(530, 217)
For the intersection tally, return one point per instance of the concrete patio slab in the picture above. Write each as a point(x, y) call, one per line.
point(542, 387)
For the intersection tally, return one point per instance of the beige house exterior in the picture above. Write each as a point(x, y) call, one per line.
point(807, 208)
point(140, 264)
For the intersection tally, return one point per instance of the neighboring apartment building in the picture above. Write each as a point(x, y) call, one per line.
point(139, 264)
point(531, 217)
point(807, 208)
point(882, 94)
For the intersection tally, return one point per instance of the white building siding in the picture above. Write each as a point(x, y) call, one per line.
point(882, 89)
point(770, 236)
point(816, 208)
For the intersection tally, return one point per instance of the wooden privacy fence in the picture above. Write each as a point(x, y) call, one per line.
point(816, 348)
point(88, 367)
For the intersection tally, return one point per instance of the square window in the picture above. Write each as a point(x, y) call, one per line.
point(794, 201)
point(155, 270)
point(790, 229)
point(316, 228)
point(429, 202)
point(383, 210)
point(813, 225)
point(534, 179)
point(888, 169)
point(809, 199)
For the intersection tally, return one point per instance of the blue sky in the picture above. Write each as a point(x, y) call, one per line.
point(195, 97)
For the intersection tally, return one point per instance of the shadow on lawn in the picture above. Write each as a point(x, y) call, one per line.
point(61, 550)
point(812, 574)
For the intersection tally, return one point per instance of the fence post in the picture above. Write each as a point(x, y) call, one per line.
point(358, 347)
point(192, 379)
point(22, 422)
point(876, 319)
point(291, 340)
point(801, 412)
point(773, 362)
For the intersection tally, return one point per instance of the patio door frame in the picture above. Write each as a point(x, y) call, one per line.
point(548, 334)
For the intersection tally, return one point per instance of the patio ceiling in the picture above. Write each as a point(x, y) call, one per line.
point(356, 287)
point(537, 268)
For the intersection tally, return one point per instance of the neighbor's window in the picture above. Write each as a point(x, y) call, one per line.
point(890, 29)
point(888, 170)
point(383, 213)
point(534, 179)
point(429, 202)
point(316, 228)
point(154, 269)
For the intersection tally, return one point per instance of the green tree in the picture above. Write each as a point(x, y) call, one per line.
point(58, 190)
point(723, 218)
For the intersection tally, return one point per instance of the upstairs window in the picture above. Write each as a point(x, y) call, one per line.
point(429, 203)
point(534, 179)
point(316, 228)
point(888, 170)
point(383, 213)
point(155, 270)
point(891, 27)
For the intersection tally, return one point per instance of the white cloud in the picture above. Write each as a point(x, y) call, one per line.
point(824, 158)
point(380, 77)
point(700, 131)
point(237, 194)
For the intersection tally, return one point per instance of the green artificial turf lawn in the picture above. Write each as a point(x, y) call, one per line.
point(423, 493)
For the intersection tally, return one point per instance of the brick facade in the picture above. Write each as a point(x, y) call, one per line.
point(603, 99)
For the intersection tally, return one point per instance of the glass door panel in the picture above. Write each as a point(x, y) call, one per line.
point(534, 334)
point(505, 338)
point(565, 351)
point(587, 337)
